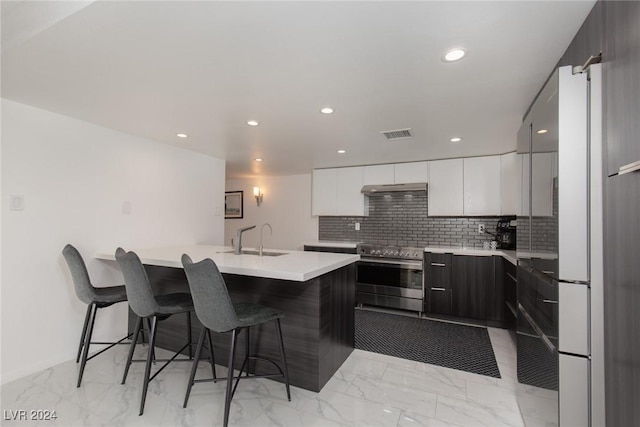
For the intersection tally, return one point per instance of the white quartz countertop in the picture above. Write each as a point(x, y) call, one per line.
point(294, 265)
point(330, 244)
point(458, 250)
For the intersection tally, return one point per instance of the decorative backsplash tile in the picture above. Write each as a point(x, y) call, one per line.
point(401, 219)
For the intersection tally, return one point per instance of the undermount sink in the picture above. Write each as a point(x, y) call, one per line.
point(254, 252)
point(264, 253)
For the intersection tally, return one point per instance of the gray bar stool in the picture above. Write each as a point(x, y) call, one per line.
point(217, 313)
point(95, 298)
point(146, 305)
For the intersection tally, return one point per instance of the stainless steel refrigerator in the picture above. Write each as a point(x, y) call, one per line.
point(560, 249)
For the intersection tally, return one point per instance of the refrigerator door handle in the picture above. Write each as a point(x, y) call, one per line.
point(631, 167)
point(536, 328)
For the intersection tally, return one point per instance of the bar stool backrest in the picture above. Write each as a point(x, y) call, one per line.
point(139, 292)
point(79, 275)
point(210, 295)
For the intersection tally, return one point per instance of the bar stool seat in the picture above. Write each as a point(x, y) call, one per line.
point(216, 312)
point(95, 298)
point(254, 314)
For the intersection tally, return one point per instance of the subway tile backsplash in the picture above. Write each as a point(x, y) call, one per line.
point(400, 219)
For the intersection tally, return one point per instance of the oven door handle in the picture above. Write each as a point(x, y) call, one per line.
point(403, 264)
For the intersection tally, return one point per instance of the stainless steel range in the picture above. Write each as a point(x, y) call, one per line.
point(390, 276)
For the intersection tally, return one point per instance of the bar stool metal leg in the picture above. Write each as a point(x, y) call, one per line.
point(194, 365)
point(84, 332)
point(87, 341)
point(150, 357)
point(212, 358)
point(232, 354)
point(132, 347)
point(189, 334)
point(284, 359)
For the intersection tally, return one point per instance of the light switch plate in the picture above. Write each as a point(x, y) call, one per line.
point(16, 203)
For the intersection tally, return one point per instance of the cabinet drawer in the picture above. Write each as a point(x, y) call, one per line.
point(437, 269)
point(438, 300)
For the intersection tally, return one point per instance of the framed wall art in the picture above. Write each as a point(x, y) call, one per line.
point(233, 204)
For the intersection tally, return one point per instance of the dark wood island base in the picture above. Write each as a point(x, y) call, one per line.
point(318, 327)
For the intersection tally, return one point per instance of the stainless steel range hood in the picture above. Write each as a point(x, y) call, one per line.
point(374, 189)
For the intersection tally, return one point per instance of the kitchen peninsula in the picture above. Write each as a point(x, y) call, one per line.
point(316, 291)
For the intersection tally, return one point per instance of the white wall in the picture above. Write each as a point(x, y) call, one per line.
point(74, 177)
point(286, 206)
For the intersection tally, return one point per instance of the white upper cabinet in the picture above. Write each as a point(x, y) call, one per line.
point(445, 191)
point(409, 173)
point(349, 198)
point(378, 175)
point(482, 188)
point(337, 191)
point(511, 182)
point(323, 195)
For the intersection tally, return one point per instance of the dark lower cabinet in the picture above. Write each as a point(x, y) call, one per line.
point(465, 287)
point(437, 283)
point(472, 278)
point(508, 272)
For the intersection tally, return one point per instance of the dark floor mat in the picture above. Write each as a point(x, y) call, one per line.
point(461, 347)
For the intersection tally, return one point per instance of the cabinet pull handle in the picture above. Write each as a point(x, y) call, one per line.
point(549, 301)
point(438, 289)
point(631, 167)
point(438, 264)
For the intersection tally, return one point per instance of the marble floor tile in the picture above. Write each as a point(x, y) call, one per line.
point(396, 395)
point(411, 419)
point(468, 413)
point(369, 389)
point(437, 380)
point(350, 410)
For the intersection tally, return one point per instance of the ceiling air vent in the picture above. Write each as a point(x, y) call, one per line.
point(397, 134)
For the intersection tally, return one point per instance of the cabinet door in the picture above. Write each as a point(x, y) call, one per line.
point(349, 198)
point(511, 183)
point(482, 185)
point(408, 173)
point(445, 193)
point(472, 276)
point(323, 192)
point(378, 175)
point(496, 309)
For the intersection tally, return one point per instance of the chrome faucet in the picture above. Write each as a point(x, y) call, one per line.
point(261, 230)
point(238, 249)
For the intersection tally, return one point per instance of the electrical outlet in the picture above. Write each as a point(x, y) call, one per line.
point(357, 226)
point(480, 228)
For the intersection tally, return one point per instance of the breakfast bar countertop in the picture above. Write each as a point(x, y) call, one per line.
point(291, 265)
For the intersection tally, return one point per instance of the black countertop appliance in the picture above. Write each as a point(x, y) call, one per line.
point(506, 233)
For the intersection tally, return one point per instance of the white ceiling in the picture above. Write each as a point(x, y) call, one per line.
point(204, 68)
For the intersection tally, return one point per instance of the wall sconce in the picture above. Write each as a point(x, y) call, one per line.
point(258, 195)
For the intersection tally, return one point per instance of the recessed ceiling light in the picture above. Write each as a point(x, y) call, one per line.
point(326, 110)
point(454, 54)
point(252, 123)
point(456, 139)
point(258, 159)
point(181, 135)
point(342, 151)
point(542, 131)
